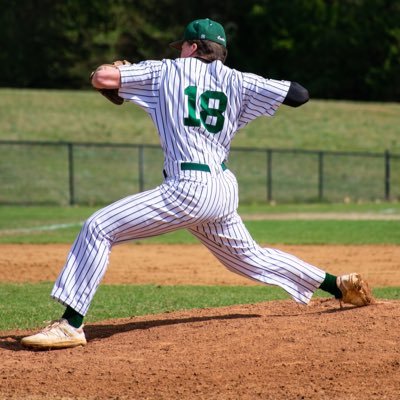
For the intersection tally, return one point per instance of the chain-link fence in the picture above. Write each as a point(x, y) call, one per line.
point(99, 173)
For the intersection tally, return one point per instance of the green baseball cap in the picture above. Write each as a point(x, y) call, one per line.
point(202, 29)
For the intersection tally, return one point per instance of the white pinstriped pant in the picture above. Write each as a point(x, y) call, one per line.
point(203, 203)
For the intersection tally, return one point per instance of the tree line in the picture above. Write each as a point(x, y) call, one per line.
point(338, 49)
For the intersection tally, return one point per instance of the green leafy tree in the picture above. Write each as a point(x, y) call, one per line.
point(46, 43)
point(348, 49)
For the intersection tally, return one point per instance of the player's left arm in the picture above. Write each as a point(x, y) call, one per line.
point(106, 76)
point(296, 95)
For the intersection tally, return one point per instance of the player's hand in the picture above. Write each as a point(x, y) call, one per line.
point(121, 62)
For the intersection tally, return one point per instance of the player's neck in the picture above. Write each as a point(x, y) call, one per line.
point(203, 59)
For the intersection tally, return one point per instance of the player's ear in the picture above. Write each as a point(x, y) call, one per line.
point(193, 48)
point(188, 49)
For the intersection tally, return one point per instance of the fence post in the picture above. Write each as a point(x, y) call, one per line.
point(320, 175)
point(269, 175)
point(141, 169)
point(71, 174)
point(387, 175)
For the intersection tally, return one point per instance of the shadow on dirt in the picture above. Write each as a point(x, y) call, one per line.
point(105, 331)
point(94, 332)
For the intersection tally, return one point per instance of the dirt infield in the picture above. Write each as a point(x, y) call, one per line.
point(273, 350)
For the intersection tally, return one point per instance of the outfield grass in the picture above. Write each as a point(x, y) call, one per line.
point(86, 116)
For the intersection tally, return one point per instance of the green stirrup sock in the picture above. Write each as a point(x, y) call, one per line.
point(75, 319)
point(329, 285)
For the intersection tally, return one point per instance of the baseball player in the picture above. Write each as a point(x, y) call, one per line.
point(197, 105)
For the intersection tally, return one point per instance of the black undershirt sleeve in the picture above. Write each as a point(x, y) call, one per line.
point(296, 96)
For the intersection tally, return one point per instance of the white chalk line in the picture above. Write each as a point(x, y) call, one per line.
point(53, 227)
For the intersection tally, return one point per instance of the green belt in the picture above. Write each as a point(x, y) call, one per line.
point(189, 166)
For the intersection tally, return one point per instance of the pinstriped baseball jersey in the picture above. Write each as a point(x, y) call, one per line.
point(197, 108)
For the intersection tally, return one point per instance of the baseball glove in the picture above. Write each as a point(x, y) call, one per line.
point(355, 290)
point(111, 94)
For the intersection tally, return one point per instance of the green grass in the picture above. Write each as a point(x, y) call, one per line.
point(381, 208)
point(26, 306)
point(12, 217)
point(32, 305)
point(86, 116)
point(272, 232)
point(70, 116)
point(308, 232)
point(62, 224)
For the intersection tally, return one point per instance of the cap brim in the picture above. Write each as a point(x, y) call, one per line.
point(177, 44)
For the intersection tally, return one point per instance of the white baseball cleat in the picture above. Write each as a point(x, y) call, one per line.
point(58, 335)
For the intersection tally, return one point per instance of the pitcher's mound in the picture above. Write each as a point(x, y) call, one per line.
point(274, 350)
